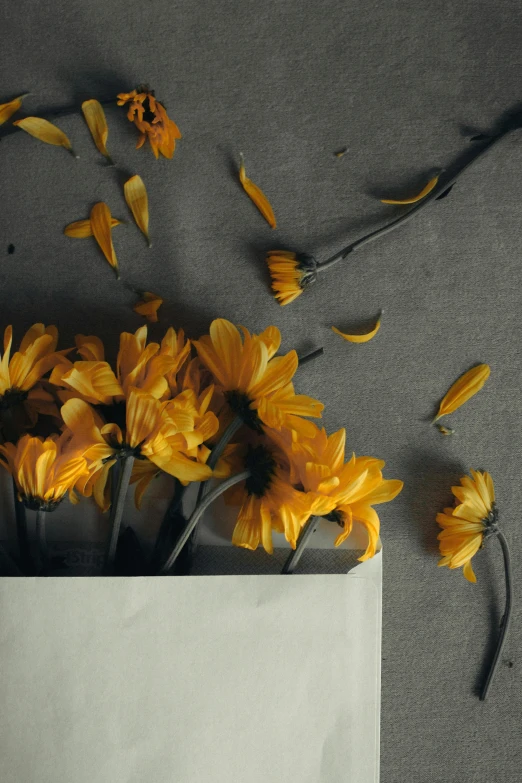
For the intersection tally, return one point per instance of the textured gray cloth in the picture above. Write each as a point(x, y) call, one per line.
point(288, 84)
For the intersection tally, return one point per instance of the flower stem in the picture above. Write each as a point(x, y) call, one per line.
point(443, 185)
point(308, 357)
point(42, 541)
point(168, 519)
point(10, 432)
point(218, 450)
point(117, 513)
point(198, 513)
point(302, 542)
point(506, 619)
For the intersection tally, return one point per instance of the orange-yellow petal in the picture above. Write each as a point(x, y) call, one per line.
point(359, 338)
point(101, 220)
point(149, 306)
point(81, 229)
point(8, 109)
point(424, 192)
point(138, 203)
point(256, 195)
point(97, 122)
point(463, 389)
point(45, 131)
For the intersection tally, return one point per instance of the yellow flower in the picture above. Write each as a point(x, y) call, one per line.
point(256, 383)
point(36, 356)
point(151, 119)
point(291, 273)
point(346, 491)
point(148, 306)
point(8, 109)
point(139, 365)
point(267, 499)
point(463, 389)
point(44, 470)
point(465, 525)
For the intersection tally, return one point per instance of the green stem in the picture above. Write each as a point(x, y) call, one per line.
point(506, 619)
point(218, 450)
point(305, 536)
point(198, 513)
point(117, 513)
point(441, 187)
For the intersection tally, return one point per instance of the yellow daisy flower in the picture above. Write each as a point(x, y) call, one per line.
point(291, 273)
point(346, 491)
point(44, 470)
point(256, 383)
point(151, 119)
point(465, 526)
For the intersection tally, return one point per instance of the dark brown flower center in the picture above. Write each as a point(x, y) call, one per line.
point(261, 464)
point(240, 403)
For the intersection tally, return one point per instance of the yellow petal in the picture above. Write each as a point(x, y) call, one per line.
point(45, 131)
point(257, 196)
point(8, 109)
point(82, 228)
point(469, 572)
point(149, 306)
point(138, 203)
point(95, 119)
point(424, 192)
point(463, 389)
point(359, 338)
point(101, 228)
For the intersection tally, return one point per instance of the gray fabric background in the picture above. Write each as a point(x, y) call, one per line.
point(288, 83)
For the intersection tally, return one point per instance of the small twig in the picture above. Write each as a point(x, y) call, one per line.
point(305, 536)
point(506, 619)
point(308, 357)
point(198, 513)
point(117, 513)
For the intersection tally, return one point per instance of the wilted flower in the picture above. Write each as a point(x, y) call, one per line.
point(151, 119)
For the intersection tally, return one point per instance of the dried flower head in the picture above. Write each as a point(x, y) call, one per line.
point(151, 119)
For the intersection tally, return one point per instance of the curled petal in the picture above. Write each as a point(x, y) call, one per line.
point(8, 109)
point(257, 196)
point(101, 220)
point(97, 122)
point(148, 306)
point(359, 338)
point(138, 203)
point(424, 192)
point(463, 389)
point(45, 131)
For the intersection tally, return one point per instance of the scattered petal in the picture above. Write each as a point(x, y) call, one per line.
point(424, 192)
point(341, 153)
point(149, 306)
point(256, 195)
point(82, 228)
point(97, 122)
point(444, 430)
point(463, 389)
point(45, 131)
point(138, 203)
point(8, 109)
point(101, 228)
point(359, 338)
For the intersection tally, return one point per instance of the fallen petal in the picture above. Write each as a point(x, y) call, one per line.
point(463, 389)
point(82, 228)
point(256, 195)
point(424, 192)
point(138, 203)
point(97, 122)
point(8, 109)
point(101, 220)
point(149, 306)
point(359, 338)
point(45, 131)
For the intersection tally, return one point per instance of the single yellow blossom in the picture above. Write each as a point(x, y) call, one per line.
point(291, 273)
